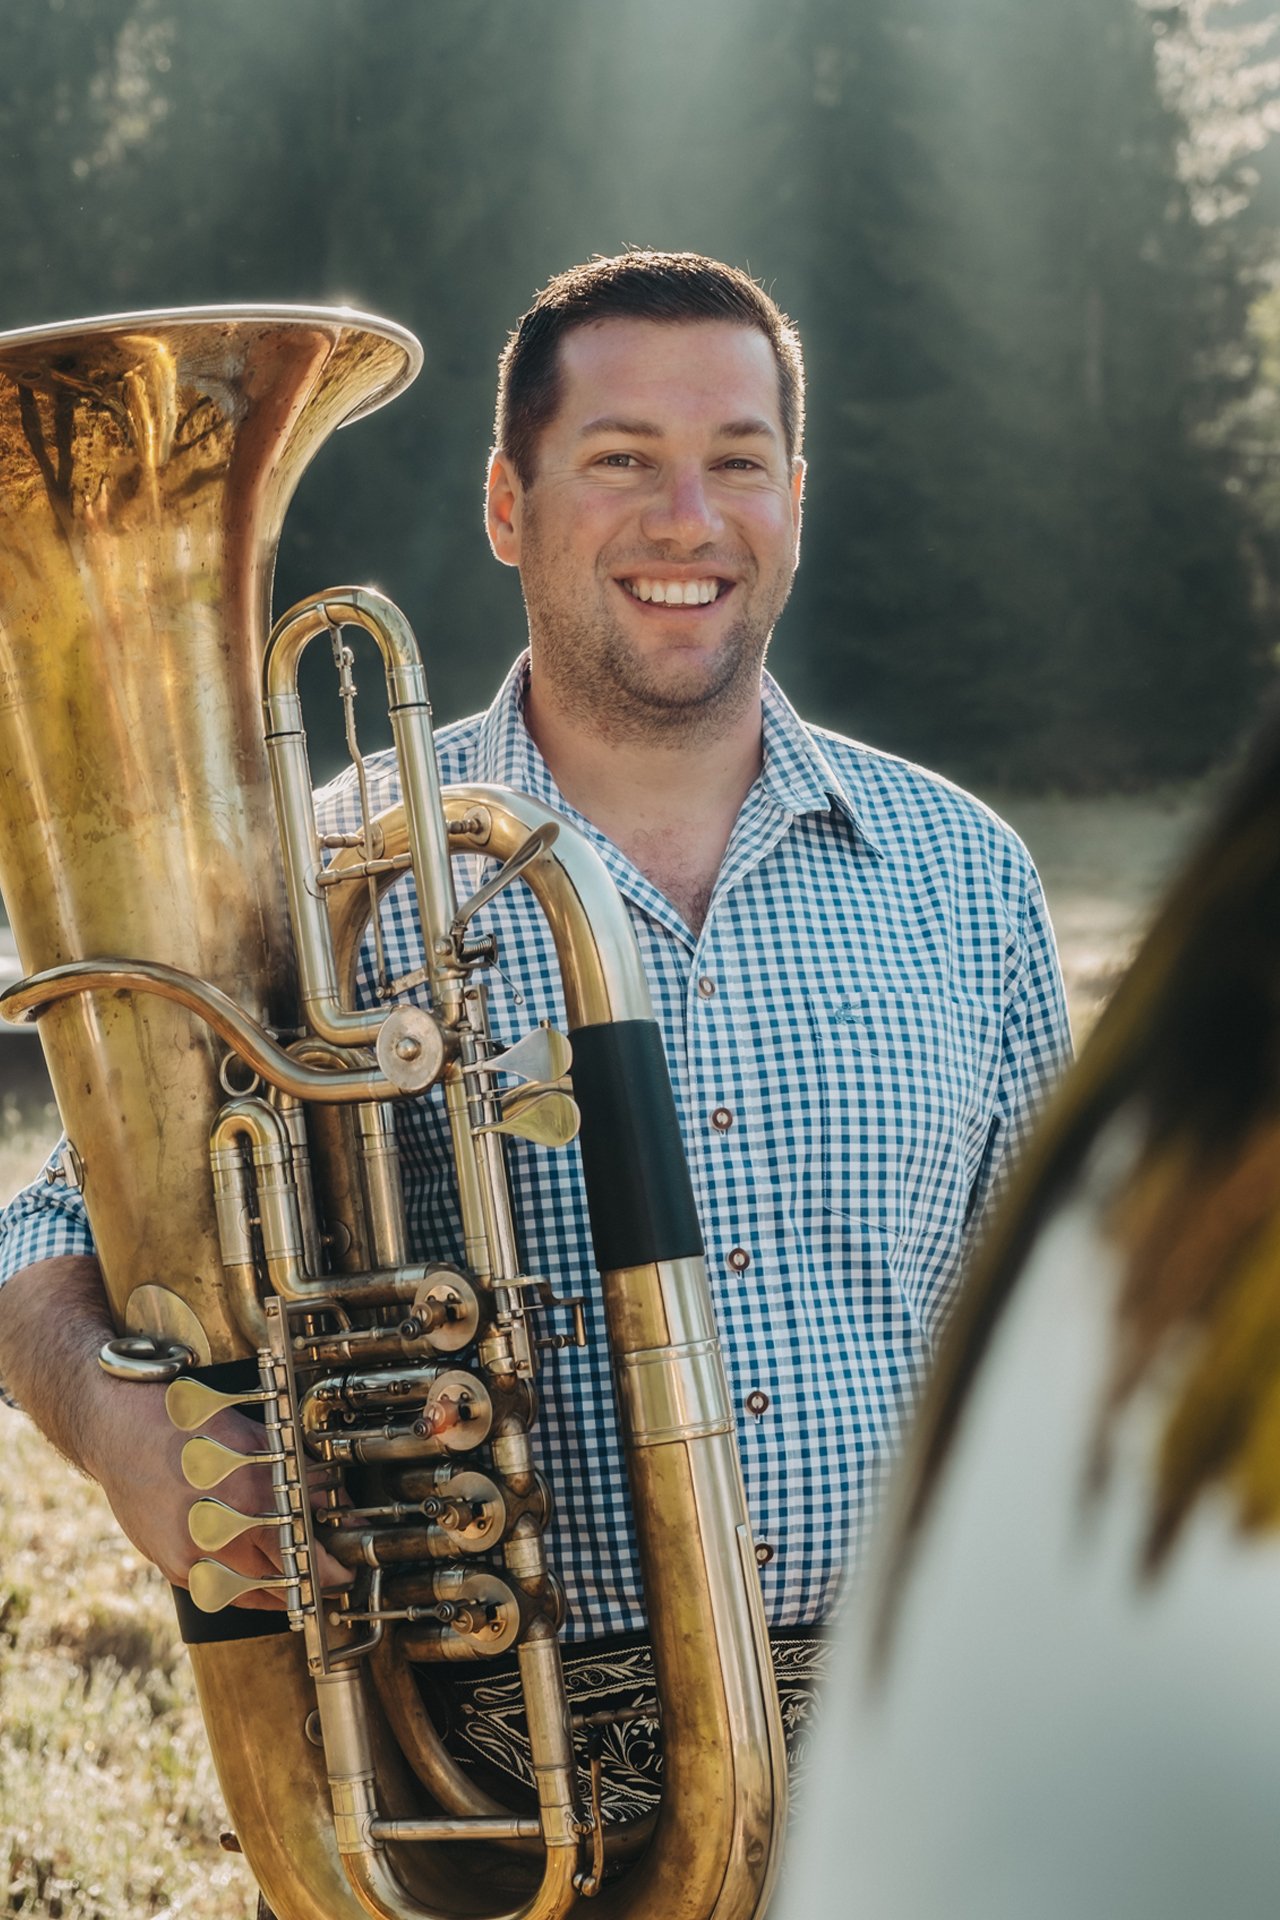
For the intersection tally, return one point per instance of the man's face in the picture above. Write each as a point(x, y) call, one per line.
point(658, 537)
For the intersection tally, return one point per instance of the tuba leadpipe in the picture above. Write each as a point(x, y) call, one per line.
point(190, 953)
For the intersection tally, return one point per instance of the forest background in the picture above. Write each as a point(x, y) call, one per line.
point(1031, 248)
point(1034, 251)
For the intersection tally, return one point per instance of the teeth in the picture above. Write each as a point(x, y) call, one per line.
point(674, 593)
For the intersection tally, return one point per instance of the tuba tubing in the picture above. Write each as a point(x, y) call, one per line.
point(145, 465)
point(710, 1641)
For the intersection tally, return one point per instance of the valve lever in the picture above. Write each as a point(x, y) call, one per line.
point(545, 1115)
point(213, 1586)
point(206, 1463)
point(543, 1054)
point(213, 1524)
point(189, 1403)
point(524, 856)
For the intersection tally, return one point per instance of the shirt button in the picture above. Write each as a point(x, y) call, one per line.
point(764, 1553)
point(739, 1259)
point(706, 986)
point(722, 1119)
point(757, 1402)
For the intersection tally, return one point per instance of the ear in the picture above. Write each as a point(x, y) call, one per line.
point(504, 497)
point(797, 498)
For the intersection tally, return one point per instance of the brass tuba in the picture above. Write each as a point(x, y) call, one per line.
point(190, 948)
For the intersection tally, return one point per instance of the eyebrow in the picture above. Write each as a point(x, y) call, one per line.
point(747, 429)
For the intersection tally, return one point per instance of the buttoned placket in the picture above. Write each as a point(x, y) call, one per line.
point(718, 1142)
point(723, 1143)
point(723, 1147)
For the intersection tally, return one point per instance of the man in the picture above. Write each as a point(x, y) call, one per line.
point(850, 959)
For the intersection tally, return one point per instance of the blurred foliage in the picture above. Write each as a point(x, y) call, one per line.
point(1021, 241)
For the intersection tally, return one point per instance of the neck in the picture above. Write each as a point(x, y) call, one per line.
point(668, 803)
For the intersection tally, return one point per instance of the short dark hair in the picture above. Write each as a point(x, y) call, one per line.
point(636, 285)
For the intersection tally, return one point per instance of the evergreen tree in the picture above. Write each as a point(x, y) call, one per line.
point(1064, 600)
point(1022, 558)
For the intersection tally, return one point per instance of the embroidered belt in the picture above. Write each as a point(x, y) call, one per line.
point(481, 1716)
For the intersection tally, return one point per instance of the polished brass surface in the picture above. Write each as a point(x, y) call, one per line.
point(543, 1054)
point(214, 1587)
point(144, 467)
point(207, 1463)
point(142, 1356)
point(189, 1403)
point(213, 1524)
point(255, 1047)
point(542, 1114)
point(146, 463)
point(718, 1834)
point(159, 1312)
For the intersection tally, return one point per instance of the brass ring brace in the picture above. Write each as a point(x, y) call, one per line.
point(29, 998)
point(145, 1356)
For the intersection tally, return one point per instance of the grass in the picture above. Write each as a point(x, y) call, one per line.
point(1103, 862)
point(109, 1809)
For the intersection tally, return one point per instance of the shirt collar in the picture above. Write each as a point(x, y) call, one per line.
point(506, 755)
point(797, 774)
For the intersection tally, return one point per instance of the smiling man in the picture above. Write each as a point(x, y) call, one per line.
point(656, 528)
point(849, 958)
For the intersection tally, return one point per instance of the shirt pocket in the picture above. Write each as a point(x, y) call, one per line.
point(905, 1085)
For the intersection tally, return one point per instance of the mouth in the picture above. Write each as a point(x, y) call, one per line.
point(701, 592)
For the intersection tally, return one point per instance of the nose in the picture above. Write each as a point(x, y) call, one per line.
point(681, 510)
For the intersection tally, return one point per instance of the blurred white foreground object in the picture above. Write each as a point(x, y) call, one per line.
point(1059, 1698)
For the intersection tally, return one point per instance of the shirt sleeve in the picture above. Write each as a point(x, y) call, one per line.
point(42, 1222)
point(1036, 1048)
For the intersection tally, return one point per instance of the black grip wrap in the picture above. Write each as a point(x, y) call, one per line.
point(638, 1187)
point(233, 1623)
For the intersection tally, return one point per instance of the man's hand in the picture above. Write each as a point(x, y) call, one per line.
point(53, 1320)
point(140, 1471)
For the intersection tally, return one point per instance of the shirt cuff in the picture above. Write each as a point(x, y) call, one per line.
point(44, 1221)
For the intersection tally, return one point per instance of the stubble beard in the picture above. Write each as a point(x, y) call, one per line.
point(605, 684)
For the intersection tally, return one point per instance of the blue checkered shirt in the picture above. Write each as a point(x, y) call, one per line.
point(857, 1038)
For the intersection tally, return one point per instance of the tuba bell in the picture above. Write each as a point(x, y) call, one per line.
point(190, 948)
